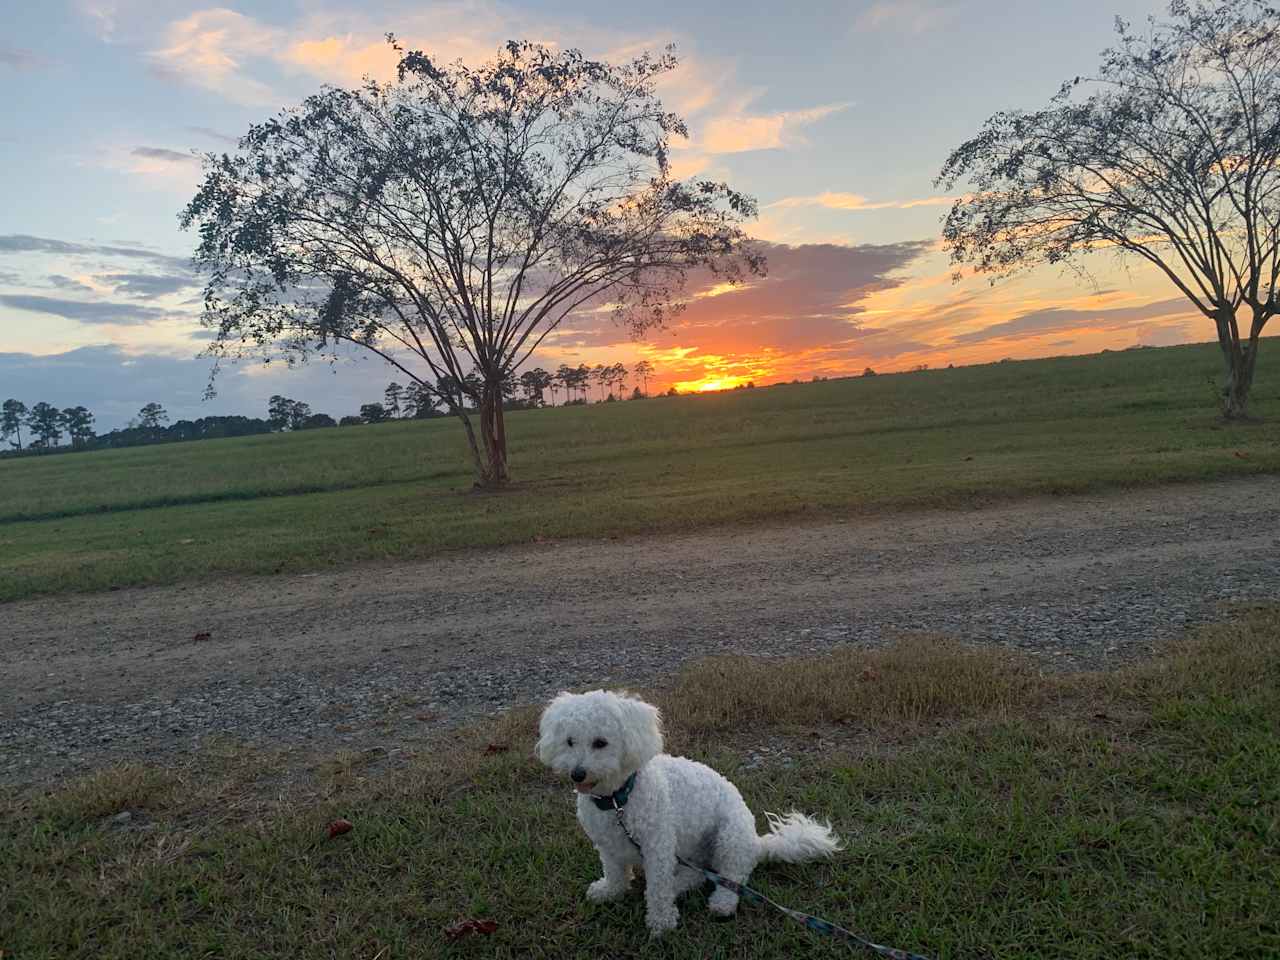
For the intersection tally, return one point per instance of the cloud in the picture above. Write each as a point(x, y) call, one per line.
point(84, 311)
point(855, 201)
point(102, 14)
point(60, 282)
point(910, 16)
point(212, 48)
point(214, 135)
point(228, 52)
point(110, 382)
point(740, 132)
point(20, 59)
point(1055, 320)
point(165, 156)
point(17, 243)
point(812, 298)
point(1163, 335)
point(147, 286)
point(347, 57)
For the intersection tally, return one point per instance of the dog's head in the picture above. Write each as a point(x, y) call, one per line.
point(598, 739)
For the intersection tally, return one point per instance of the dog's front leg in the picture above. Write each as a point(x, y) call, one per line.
point(659, 882)
point(617, 876)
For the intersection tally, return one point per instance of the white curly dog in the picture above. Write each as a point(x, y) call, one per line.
point(610, 746)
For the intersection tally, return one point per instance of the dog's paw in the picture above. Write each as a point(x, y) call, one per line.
point(660, 921)
point(601, 890)
point(723, 903)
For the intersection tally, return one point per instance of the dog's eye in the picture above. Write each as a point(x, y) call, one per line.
point(599, 744)
point(570, 741)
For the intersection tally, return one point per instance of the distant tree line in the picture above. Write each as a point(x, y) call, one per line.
point(41, 428)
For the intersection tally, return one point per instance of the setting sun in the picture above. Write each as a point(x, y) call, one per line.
point(710, 385)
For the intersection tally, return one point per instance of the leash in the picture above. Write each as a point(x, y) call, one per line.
point(755, 896)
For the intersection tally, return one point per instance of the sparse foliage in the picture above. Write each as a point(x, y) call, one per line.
point(391, 398)
point(450, 220)
point(78, 422)
point(1170, 154)
point(644, 370)
point(373, 413)
point(12, 417)
point(44, 420)
point(152, 417)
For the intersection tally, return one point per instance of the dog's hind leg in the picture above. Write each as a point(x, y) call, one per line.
point(686, 880)
point(734, 858)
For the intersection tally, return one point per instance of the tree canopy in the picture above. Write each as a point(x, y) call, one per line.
point(1170, 153)
point(451, 219)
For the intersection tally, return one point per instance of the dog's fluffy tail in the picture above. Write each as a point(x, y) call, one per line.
point(795, 838)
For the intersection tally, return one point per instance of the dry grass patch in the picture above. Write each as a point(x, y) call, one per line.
point(918, 679)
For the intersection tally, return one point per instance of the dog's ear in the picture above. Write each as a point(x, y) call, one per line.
point(548, 736)
point(642, 732)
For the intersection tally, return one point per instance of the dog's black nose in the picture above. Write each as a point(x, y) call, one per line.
point(578, 774)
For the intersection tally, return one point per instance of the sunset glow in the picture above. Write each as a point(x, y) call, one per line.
point(839, 142)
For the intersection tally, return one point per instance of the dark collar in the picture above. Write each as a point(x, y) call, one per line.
point(618, 799)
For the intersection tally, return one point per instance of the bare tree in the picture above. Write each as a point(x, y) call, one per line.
point(451, 219)
point(1170, 154)
point(644, 370)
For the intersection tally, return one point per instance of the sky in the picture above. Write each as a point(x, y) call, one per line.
point(836, 116)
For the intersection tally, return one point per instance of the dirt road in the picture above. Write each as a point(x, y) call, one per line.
point(378, 656)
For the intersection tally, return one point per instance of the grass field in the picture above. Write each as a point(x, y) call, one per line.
point(292, 502)
point(990, 812)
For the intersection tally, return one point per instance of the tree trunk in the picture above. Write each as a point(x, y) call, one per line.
point(493, 433)
point(478, 459)
point(1240, 361)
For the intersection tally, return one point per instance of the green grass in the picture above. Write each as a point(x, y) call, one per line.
point(295, 502)
point(1134, 814)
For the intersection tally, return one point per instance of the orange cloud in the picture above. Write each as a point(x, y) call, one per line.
point(343, 57)
point(212, 49)
point(739, 132)
point(856, 201)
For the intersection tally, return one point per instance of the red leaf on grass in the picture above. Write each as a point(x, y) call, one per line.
point(1242, 456)
point(869, 673)
point(462, 928)
point(496, 748)
point(338, 828)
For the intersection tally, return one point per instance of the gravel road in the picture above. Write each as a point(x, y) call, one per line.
point(380, 656)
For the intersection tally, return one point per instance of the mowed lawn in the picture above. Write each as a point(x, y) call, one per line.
point(989, 810)
point(403, 490)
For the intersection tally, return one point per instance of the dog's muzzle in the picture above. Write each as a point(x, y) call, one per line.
point(577, 774)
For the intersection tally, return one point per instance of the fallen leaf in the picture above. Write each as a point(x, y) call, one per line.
point(869, 674)
point(202, 637)
point(496, 748)
point(462, 928)
point(338, 828)
point(1242, 456)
